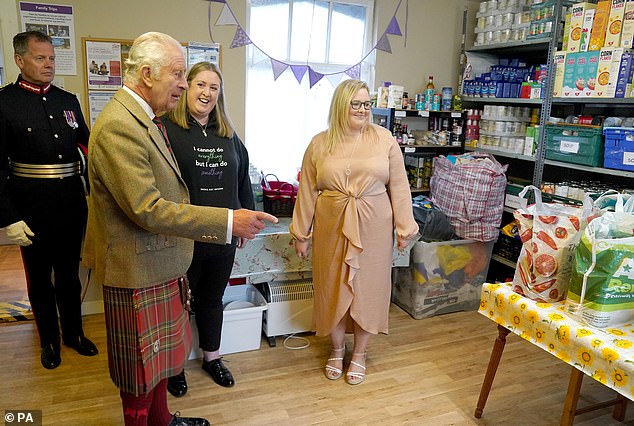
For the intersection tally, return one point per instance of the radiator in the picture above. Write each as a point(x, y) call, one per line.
point(290, 307)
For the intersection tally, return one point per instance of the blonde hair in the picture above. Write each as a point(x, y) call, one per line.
point(147, 49)
point(180, 114)
point(338, 117)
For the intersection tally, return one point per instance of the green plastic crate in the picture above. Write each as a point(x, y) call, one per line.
point(576, 144)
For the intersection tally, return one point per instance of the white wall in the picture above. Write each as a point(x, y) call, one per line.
point(433, 38)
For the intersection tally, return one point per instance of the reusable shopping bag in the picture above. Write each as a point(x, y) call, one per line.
point(550, 233)
point(601, 290)
point(470, 190)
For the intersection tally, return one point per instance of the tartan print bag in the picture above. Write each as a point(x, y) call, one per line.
point(470, 191)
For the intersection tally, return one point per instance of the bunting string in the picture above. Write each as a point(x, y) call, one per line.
point(241, 38)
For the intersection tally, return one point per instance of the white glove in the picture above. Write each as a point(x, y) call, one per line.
point(17, 233)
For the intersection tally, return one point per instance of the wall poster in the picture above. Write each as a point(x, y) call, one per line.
point(57, 21)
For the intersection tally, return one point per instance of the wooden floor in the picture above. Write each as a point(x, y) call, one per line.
point(12, 278)
point(426, 372)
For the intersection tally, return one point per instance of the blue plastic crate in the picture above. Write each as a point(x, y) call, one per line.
point(619, 148)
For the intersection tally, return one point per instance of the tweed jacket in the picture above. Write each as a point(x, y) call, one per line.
point(141, 226)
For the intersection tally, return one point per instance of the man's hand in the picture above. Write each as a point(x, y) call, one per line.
point(19, 233)
point(248, 223)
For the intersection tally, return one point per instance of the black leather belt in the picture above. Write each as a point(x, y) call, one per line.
point(44, 171)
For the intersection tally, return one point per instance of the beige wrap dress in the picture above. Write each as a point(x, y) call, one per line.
point(352, 225)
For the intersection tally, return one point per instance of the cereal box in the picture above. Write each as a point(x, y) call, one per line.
point(599, 25)
point(576, 24)
point(570, 69)
point(564, 42)
point(608, 71)
point(580, 74)
point(590, 73)
point(624, 79)
point(628, 25)
point(615, 24)
point(559, 62)
point(588, 18)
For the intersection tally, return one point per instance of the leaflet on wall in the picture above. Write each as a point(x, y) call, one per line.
point(57, 21)
point(199, 52)
point(96, 103)
point(103, 63)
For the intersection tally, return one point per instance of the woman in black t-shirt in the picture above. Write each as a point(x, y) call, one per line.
point(215, 165)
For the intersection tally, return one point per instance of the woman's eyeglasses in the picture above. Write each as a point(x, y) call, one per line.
point(356, 105)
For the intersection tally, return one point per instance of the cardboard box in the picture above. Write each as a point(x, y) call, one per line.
point(608, 71)
point(570, 70)
point(442, 277)
point(624, 79)
point(242, 321)
point(588, 19)
point(580, 75)
point(615, 24)
point(599, 25)
point(628, 25)
point(577, 14)
point(559, 62)
point(566, 32)
point(590, 73)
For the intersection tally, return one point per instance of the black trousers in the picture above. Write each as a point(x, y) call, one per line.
point(208, 276)
point(56, 213)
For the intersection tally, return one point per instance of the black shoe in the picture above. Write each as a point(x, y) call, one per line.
point(217, 370)
point(177, 386)
point(177, 420)
point(50, 357)
point(83, 346)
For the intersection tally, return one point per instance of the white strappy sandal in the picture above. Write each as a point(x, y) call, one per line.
point(356, 377)
point(334, 373)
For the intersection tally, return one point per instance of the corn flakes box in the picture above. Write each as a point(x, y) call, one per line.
point(615, 24)
point(576, 25)
point(628, 25)
point(599, 24)
point(559, 62)
point(608, 71)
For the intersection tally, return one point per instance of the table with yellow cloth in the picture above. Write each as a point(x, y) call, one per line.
point(606, 355)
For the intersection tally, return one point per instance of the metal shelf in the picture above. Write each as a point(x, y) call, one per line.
point(524, 46)
point(595, 101)
point(522, 101)
point(502, 153)
point(598, 170)
point(504, 261)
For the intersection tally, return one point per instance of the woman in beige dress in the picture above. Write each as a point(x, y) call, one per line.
point(353, 195)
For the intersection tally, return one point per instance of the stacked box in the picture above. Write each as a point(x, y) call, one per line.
point(615, 24)
point(627, 33)
point(559, 62)
point(599, 25)
point(608, 71)
point(419, 170)
point(576, 24)
point(590, 73)
point(588, 19)
point(624, 79)
point(570, 75)
point(442, 277)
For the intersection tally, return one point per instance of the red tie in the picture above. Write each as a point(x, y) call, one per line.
point(160, 126)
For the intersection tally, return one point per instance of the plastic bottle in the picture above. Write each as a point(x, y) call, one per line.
point(429, 92)
point(256, 184)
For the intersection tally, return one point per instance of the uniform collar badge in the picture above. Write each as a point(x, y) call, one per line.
point(40, 90)
point(70, 119)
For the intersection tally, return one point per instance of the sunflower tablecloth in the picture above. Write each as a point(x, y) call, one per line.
point(606, 355)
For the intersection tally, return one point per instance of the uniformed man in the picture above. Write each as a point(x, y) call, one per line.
point(42, 195)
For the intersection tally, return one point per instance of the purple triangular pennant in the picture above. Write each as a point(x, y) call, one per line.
point(299, 71)
point(354, 71)
point(384, 44)
point(240, 39)
point(278, 68)
point(393, 28)
point(313, 77)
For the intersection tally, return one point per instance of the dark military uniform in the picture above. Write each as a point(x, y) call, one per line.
point(41, 184)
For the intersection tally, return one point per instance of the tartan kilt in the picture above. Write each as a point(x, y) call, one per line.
point(148, 334)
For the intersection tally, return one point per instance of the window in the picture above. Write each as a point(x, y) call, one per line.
point(282, 115)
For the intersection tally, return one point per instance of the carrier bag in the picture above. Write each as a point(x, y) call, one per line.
point(601, 290)
point(470, 190)
point(550, 233)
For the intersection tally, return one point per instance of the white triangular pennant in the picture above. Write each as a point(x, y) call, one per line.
point(226, 17)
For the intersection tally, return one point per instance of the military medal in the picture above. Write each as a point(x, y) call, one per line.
point(70, 119)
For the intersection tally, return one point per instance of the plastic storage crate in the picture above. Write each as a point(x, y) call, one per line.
point(619, 148)
point(241, 324)
point(442, 277)
point(576, 144)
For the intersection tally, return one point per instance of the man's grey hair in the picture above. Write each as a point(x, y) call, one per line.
point(21, 41)
point(148, 49)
